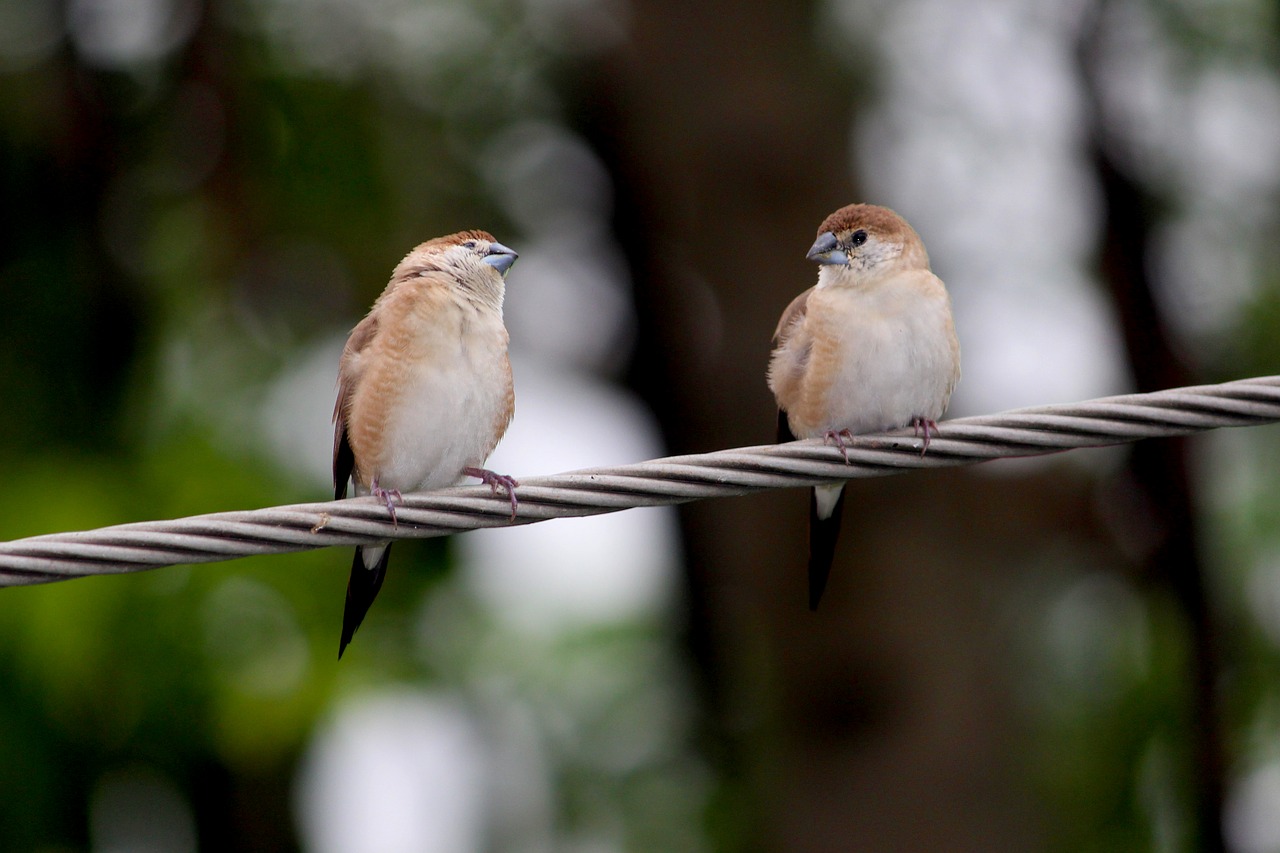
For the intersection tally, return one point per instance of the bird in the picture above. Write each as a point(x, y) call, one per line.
point(425, 390)
point(871, 347)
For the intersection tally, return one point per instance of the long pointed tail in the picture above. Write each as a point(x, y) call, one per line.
point(824, 530)
point(362, 589)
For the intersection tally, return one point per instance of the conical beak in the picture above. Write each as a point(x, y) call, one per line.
point(826, 250)
point(500, 258)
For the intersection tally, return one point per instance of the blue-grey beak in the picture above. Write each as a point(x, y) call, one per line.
point(500, 258)
point(826, 250)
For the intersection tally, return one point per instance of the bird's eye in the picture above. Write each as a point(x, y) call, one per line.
point(859, 237)
point(470, 244)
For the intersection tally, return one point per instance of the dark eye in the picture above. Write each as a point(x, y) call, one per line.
point(471, 244)
point(859, 237)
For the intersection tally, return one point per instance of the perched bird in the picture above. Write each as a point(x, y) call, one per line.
point(870, 347)
point(424, 389)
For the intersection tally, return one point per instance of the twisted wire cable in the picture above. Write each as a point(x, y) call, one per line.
point(673, 480)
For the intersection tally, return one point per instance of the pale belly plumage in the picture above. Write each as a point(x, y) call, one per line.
point(878, 359)
point(445, 420)
point(887, 376)
point(441, 415)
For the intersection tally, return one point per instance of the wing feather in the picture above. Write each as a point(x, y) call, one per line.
point(784, 368)
point(350, 369)
point(791, 317)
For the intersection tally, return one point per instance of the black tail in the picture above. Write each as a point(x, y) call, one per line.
point(823, 533)
point(784, 428)
point(362, 589)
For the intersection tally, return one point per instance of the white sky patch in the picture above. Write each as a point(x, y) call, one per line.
point(394, 773)
point(1253, 811)
point(136, 809)
point(120, 33)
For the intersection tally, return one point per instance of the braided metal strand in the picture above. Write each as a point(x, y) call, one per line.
point(673, 480)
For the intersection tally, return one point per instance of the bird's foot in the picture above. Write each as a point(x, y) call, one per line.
point(389, 497)
point(838, 437)
point(924, 426)
point(493, 481)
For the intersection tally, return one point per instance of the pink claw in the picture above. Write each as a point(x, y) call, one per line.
point(493, 481)
point(387, 496)
point(838, 438)
point(925, 425)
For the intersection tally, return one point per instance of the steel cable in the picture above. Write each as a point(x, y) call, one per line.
point(276, 530)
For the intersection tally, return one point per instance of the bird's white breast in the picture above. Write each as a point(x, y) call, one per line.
point(894, 354)
point(449, 409)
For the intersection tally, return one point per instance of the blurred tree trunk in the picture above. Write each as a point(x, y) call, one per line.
point(884, 720)
point(67, 351)
point(1160, 469)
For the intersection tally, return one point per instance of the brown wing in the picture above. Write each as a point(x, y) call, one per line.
point(823, 534)
point(349, 372)
point(509, 409)
point(792, 316)
point(784, 433)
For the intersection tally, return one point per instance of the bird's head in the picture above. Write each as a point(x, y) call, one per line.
point(465, 252)
point(473, 259)
point(863, 241)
